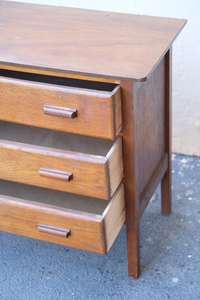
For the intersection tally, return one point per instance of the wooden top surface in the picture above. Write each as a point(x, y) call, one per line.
point(94, 43)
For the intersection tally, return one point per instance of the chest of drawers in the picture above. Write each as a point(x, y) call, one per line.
point(85, 123)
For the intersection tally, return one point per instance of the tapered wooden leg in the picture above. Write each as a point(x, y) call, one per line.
point(131, 197)
point(133, 235)
point(166, 181)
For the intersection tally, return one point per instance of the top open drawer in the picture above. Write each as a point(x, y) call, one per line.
point(70, 105)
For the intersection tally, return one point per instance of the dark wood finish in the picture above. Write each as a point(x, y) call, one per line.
point(149, 120)
point(92, 174)
point(85, 42)
point(166, 181)
point(130, 50)
point(143, 115)
point(129, 96)
point(60, 111)
point(102, 109)
point(66, 176)
point(62, 232)
point(152, 185)
point(89, 231)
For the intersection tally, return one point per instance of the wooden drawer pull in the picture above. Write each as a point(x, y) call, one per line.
point(60, 111)
point(55, 174)
point(63, 232)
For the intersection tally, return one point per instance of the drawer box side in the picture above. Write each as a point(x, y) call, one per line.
point(114, 217)
point(115, 165)
point(117, 110)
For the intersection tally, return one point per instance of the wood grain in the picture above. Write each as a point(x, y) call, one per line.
point(83, 41)
point(115, 165)
point(129, 98)
point(96, 46)
point(21, 163)
point(149, 123)
point(117, 110)
point(63, 74)
point(88, 231)
point(52, 197)
point(167, 179)
point(114, 216)
point(24, 216)
point(96, 108)
point(143, 113)
point(153, 183)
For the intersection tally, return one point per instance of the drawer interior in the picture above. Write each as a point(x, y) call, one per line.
point(54, 139)
point(63, 81)
point(53, 198)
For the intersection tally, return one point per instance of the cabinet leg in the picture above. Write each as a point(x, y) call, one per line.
point(166, 181)
point(166, 193)
point(133, 243)
point(129, 95)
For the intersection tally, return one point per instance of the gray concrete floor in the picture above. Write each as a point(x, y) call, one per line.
point(170, 256)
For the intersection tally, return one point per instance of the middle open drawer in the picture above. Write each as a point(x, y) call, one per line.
point(97, 174)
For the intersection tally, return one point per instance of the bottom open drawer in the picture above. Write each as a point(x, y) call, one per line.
point(71, 220)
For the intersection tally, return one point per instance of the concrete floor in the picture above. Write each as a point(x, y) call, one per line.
point(170, 256)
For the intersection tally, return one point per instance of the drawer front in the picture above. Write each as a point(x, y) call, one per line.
point(63, 226)
point(84, 174)
point(76, 110)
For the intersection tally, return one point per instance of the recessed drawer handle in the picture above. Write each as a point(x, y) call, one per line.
point(60, 111)
point(63, 232)
point(55, 174)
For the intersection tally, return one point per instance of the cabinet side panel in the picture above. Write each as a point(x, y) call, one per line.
point(149, 114)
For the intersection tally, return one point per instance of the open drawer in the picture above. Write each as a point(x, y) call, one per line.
point(88, 166)
point(67, 219)
point(70, 105)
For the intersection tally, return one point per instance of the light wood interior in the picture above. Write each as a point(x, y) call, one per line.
point(115, 165)
point(54, 139)
point(52, 197)
point(115, 217)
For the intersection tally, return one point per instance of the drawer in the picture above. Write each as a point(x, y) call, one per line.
point(97, 174)
point(70, 105)
point(94, 231)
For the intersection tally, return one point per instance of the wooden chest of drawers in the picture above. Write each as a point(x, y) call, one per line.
point(85, 123)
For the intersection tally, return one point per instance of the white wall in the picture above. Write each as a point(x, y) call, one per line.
point(186, 60)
